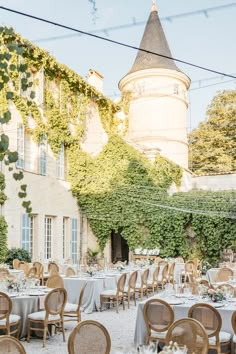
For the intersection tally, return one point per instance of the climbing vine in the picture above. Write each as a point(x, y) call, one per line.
point(120, 189)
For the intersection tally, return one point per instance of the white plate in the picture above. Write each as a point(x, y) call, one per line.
point(73, 276)
point(216, 304)
point(13, 295)
point(47, 290)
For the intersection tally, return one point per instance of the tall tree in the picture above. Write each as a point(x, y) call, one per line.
point(212, 146)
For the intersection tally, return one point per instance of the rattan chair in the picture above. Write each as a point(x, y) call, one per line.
point(72, 312)
point(233, 322)
point(70, 271)
point(53, 315)
point(116, 296)
point(179, 259)
point(24, 266)
point(4, 272)
point(129, 291)
point(171, 271)
point(223, 274)
point(8, 320)
point(189, 271)
point(190, 333)
point(53, 268)
point(210, 318)
point(32, 272)
point(142, 288)
point(15, 263)
point(55, 281)
point(153, 284)
point(39, 268)
point(158, 316)
point(163, 275)
point(11, 345)
point(89, 337)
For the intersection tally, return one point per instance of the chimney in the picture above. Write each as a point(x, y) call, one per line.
point(95, 79)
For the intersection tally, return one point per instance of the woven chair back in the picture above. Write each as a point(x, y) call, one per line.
point(179, 260)
point(158, 315)
point(53, 268)
point(4, 271)
point(190, 333)
point(55, 281)
point(32, 272)
point(70, 271)
point(233, 321)
point(15, 263)
point(89, 337)
point(189, 267)
point(24, 266)
point(55, 301)
point(164, 271)
point(144, 277)
point(39, 268)
point(223, 274)
point(155, 274)
point(133, 279)
point(208, 316)
point(172, 269)
point(5, 306)
point(9, 344)
point(121, 283)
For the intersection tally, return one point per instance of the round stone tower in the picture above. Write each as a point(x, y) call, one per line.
point(158, 107)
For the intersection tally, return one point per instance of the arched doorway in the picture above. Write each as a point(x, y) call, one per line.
point(119, 248)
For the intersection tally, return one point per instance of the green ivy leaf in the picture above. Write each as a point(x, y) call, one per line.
point(23, 187)
point(12, 156)
point(9, 95)
point(22, 194)
point(18, 175)
point(4, 142)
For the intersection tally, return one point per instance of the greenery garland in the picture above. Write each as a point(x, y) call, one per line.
point(120, 189)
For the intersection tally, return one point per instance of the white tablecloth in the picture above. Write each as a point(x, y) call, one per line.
point(23, 306)
point(180, 311)
point(94, 287)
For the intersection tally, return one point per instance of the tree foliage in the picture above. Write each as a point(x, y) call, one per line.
point(213, 143)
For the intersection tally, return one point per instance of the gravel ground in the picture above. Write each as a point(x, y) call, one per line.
point(121, 327)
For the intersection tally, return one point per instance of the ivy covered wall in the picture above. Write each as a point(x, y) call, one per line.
point(120, 188)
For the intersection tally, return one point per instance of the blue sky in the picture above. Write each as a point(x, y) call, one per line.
point(206, 40)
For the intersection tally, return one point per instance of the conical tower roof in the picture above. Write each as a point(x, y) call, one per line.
point(153, 40)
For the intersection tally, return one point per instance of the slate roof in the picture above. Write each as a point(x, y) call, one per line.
point(153, 40)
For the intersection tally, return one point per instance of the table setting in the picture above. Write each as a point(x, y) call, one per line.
point(181, 302)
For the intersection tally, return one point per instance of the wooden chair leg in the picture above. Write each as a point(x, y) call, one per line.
point(28, 336)
point(63, 329)
point(123, 301)
point(134, 299)
point(117, 305)
point(44, 334)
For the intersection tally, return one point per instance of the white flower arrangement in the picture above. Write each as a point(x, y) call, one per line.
point(91, 271)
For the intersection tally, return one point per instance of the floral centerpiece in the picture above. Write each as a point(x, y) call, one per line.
point(91, 271)
point(11, 284)
point(214, 295)
point(173, 348)
point(120, 267)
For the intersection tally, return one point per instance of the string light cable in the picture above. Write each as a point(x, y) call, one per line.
point(135, 23)
point(115, 42)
